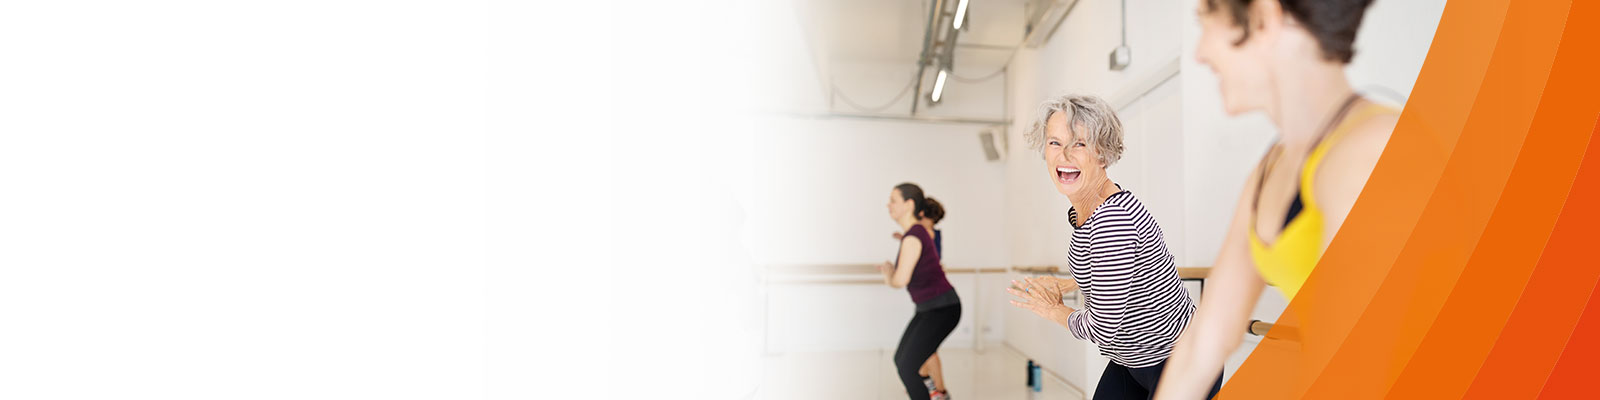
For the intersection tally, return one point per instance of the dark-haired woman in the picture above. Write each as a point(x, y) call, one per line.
point(918, 270)
point(1285, 58)
point(932, 372)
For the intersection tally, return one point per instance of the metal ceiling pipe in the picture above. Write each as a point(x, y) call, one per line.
point(945, 62)
point(947, 54)
point(928, 32)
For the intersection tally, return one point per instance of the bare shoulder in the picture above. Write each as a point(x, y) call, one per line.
point(1363, 143)
point(1349, 162)
point(911, 241)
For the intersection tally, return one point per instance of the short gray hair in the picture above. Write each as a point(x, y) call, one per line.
point(1099, 124)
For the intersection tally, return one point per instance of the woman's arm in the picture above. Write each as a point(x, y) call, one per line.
point(1113, 249)
point(1112, 253)
point(1232, 289)
point(910, 252)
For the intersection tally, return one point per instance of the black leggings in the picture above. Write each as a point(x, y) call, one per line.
point(923, 335)
point(1119, 382)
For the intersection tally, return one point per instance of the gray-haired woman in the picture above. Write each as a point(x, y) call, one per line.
point(1134, 304)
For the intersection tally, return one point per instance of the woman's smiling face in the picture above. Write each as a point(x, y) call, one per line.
point(1073, 164)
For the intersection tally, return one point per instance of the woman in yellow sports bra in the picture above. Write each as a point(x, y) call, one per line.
point(1288, 261)
point(1286, 59)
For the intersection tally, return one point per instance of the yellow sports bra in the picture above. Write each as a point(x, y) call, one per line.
point(1287, 262)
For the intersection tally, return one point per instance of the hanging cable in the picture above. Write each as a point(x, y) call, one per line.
point(991, 75)
point(860, 108)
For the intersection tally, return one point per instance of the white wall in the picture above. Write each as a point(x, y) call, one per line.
point(824, 184)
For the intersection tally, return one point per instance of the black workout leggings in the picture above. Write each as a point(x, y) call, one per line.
point(1119, 382)
point(923, 335)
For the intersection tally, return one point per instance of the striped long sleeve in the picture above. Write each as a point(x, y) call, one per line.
point(1134, 303)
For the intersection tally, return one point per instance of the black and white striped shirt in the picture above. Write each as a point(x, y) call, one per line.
point(1134, 304)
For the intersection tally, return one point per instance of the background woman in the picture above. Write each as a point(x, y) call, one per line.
point(918, 270)
point(932, 372)
point(1285, 58)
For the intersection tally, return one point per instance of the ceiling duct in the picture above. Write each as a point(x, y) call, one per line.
point(938, 46)
point(1044, 16)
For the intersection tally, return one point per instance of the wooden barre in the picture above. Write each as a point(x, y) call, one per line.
point(871, 269)
point(1183, 272)
point(1259, 328)
point(1193, 272)
point(974, 270)
point(844, 269)
point(848, 274)
point(1049, 269)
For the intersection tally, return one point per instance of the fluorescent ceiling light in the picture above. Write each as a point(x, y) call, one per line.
point(938, 86)
point(961, 13)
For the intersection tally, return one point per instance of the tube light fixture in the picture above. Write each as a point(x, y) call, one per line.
point(961, 13)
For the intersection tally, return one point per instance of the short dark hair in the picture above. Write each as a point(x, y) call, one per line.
point(1332, 22)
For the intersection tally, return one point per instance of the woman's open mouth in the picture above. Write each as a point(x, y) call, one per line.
point(1067, 175)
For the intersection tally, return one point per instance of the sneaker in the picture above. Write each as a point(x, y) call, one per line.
point(937, 395)
point(928, 381)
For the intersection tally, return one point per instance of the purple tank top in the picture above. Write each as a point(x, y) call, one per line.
point(927, 279)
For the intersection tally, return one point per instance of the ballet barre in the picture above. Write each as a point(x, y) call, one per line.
point(1187, 274)
point(1184, 273)
point(1269, 330)
point(1039, 270)
point(1259, 328)
point(868, 273)
point(847, 273)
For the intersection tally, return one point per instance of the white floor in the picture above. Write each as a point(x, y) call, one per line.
point(995, 373)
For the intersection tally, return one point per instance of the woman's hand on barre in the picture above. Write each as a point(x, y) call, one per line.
point(1062, 285)
point(887, 268)
point(1041, 296)
point(898, 235)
